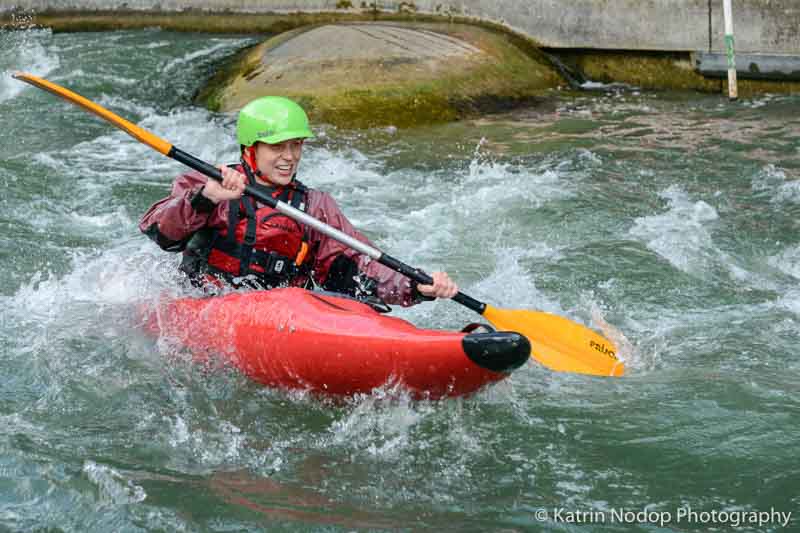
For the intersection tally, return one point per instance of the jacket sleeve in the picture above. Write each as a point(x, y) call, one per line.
point(393, 287)
point(170, 222)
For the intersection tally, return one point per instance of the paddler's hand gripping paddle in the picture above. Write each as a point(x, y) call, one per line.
point(558, 343)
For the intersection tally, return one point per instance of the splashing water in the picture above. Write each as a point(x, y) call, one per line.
point(666, 221)
point(28, 50)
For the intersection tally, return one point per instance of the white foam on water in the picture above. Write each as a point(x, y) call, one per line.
point(790, 300)
point(124, 275)
point(662, 332)
point(113, 487)
point(474, 208)
point(388, 429)
point(225, 443)
point(196, 131)
point(125, 107)
point(61, 219)
point(511, 286)
point(473, 212)
point(115, 157)
point(597, 85)
point(593, 85)
point(483, 185)
point(756, 102)
point(180, 433)
point(158, 44)
point(768, 178)
point(625, 351)
point(683, 236)
point(493, 185)
point(680, 235)
point(788, 261)
point(350, 176)
point(381, 424)
point(79, 74)
point(110, 220)
point(587, 156)
point(28, 51)
point(774, 181)
point(192, 57)
point(503, 282)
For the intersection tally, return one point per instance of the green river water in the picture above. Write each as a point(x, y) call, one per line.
point(672, 217)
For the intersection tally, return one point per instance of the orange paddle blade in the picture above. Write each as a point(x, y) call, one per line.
point(135, 131)
point(558, 343)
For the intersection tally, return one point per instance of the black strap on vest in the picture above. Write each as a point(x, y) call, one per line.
point(273, 263)
point(278, 268)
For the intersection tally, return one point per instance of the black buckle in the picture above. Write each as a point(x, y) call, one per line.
point(277, 265)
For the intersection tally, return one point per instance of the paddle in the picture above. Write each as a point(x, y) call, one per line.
point(558, 343)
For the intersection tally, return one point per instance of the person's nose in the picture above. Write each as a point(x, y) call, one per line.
point(287, 152)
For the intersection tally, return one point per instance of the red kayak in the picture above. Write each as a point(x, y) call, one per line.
point(333, 345)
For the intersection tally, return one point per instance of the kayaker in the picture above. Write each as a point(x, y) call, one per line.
point(231, 239)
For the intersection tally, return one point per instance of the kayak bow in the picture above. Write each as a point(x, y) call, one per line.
point(332, 345)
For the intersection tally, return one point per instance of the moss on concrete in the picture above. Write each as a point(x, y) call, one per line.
point(750, 88)
point(657, 70)
point(645, 70)
point(186, 21)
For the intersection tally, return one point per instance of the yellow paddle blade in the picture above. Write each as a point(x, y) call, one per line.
point(131, 129)
point(558, 343)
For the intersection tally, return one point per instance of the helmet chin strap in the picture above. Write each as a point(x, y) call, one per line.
point(249, 161)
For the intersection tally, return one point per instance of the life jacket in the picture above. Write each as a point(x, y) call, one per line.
point(260, 247)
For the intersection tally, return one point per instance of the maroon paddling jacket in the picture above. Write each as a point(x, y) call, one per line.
point(173, 220)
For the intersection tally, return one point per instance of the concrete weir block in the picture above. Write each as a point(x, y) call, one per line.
point(372, 74)
point(749, 66)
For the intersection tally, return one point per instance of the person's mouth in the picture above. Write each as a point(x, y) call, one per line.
point(284, 170)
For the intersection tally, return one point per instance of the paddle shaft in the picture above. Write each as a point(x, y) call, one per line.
point(414, 273)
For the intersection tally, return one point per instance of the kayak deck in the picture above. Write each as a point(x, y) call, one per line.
point(296, 339)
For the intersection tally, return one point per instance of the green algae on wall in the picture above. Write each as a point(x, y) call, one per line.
point(645, 70)
point(658, 70)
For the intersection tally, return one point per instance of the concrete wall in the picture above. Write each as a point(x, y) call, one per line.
point(763, 26)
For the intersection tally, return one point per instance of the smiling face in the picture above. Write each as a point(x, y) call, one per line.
point(278, 162)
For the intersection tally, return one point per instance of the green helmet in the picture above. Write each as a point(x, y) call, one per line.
point(271, 119)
